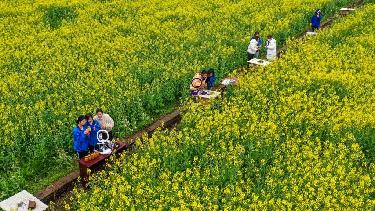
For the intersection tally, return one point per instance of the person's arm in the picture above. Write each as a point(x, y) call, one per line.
point(110, 122)
point(253, 46)
point(75, 140)
point(272, 45)
point(97, 120)
point(97, 123)
point(192, 88)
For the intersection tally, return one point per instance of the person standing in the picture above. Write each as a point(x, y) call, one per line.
point(81, 137)
point(315, 20)
point(94, 127)
point(271, 48)
point(211, 77)
point(252, 49)
point(105, 121)
point(260, 42)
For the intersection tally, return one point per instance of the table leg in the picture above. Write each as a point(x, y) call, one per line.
point(84, 175)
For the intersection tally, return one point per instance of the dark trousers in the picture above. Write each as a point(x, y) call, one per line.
point(92, 148)
point(250, 56)
point(313, 28)
point(82, 154)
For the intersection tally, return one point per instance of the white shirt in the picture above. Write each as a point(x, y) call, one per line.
point(271, 49)
point(253, 46)
point(107, 120)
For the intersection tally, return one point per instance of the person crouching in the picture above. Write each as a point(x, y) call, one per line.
point(198, 82)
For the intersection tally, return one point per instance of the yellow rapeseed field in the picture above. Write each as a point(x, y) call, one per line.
point(134, 59)
point(298, 134)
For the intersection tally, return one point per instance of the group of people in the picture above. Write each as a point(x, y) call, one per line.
point(256, 41)
point(255, 46)
point(85, 133)
point(202, 80)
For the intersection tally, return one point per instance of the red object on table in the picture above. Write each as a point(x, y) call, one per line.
point(93, 164)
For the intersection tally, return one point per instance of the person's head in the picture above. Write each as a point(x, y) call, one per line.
point(196, 83)
point(81, 120)
point(210, 71)
point(89, 117)
point(269, 37)
point(204, 73)
point(256, 35)
point(318, 12)
point(99, 113)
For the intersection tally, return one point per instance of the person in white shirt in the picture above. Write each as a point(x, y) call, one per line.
point(271, 48)
point(105, 121)
point(252, 49)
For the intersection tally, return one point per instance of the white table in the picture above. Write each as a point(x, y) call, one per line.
point(20, 202)
point(229, 81)
point(208, 94)
point(346, 9)
point(259, 62)
point(311, 33)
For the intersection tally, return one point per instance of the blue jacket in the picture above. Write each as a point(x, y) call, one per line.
point(211, 81)
point(315, 21)
point(260, 41)
point(95, 127)
point(80, 140)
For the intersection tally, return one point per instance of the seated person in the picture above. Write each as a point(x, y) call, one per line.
point(210, 78)
point(199, 82)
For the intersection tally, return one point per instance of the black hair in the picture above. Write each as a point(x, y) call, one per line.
point(99, 110)
point(88, 116)
point(204, 71)
point(80, 118)
point(256, 33)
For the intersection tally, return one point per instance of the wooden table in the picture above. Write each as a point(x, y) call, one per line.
point(97, 162)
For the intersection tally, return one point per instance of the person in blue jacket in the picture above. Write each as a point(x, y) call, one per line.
point(210, 78)
point(81, 137)
point(315, 20)
point(94, 128)
point(260, 42)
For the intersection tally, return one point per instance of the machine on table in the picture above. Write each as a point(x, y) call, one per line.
point(104, 144)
